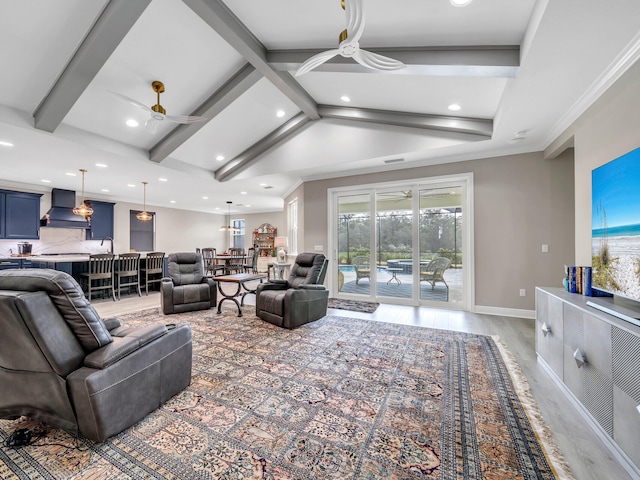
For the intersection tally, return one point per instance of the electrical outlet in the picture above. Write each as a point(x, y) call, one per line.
point(317, 248)
point(545, 248)
point(523, 292)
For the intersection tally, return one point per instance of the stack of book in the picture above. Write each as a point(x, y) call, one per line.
point(578, 280)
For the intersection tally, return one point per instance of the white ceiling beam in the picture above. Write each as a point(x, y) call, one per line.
point(246, 158)
point(242, 81)
point(489, 61)
point(218, 16)
point(464, 125)
point(114, 22)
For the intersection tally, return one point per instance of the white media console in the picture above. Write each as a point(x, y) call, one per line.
point(595, 359)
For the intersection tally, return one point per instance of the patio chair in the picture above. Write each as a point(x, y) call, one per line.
point(362, 268)
point(433, 271)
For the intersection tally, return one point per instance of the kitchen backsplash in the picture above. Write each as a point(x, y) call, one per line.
point(57, 240)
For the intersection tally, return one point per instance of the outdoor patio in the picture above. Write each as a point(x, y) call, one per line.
point(387, 286)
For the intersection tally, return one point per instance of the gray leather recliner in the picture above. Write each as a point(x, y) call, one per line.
point(298, 300)
point(187, 288)
point(62, 364)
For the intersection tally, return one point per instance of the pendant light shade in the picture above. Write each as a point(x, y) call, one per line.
point(229, 227)
point(144, 216)
point(83, 209)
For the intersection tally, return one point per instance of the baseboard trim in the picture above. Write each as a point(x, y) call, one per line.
point(505, 312)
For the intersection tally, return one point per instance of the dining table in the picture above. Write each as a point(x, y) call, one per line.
point(229, 260)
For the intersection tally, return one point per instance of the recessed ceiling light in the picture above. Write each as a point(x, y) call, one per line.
point(280, 113)
point(132, 123)
point(70, 174)
point(460, 3)
point(45, 181)
point(220, 158)
point(172, 201)
point(243, 193)
point(101, 165)
point(454, 107)
point(205, 198)
point(217, 208)
point(104, 190)
point(6, 144)
point(162, 179)
point(131, 185)
point(247, 205)
point(345, 98)
point(263, 184)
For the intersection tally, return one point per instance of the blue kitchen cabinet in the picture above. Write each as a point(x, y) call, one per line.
point(101, 220)
point(7, 263)
point(19, 215)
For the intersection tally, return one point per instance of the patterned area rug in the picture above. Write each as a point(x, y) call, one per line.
point(353, 305)
point(339, 398)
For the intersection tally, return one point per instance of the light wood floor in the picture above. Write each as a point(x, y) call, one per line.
point(587, 456)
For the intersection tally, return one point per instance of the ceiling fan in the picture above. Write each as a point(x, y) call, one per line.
point(349, 46)
point(157, 112)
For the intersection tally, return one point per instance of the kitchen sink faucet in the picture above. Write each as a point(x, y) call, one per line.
point(111, 241)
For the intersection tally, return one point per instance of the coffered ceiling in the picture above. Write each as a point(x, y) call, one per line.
point(521, 72)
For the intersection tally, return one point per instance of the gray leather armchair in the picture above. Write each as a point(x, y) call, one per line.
point(187, 288)
point(62, 364)
point(298, 300)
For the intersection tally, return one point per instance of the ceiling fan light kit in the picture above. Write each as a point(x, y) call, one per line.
point(349, 46)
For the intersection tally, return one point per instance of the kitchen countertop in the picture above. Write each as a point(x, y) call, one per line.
point(60, 258)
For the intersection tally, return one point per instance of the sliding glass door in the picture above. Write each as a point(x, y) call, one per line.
point(412, 252)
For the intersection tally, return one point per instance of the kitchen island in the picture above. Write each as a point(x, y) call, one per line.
point(74, 265)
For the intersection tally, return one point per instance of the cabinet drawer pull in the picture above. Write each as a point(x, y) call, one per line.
point(579, 357)
point(546, 329)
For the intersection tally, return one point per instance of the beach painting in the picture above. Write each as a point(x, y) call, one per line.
point(615, 239)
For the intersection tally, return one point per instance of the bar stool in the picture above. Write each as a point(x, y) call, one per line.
point(128, 272)
point(100, 275)
point(152, 269)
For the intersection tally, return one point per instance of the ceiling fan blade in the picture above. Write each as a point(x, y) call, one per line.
point(377, 61)
point(185, 118)
point(132, 102)
point(354, 11)
point(152, 124)
point(316, 61)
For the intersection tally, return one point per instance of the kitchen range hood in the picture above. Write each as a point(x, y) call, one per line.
point(61, 214)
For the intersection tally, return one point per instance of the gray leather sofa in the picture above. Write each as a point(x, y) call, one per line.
point(187, 288)
point(62, 364)
point(298, 300)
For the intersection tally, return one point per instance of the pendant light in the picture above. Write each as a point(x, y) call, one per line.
point(229, 227)
point(144, 216)
point(83, 210)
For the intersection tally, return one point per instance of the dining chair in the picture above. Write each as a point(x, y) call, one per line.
point(236, 265)
point(99, 276)
point(209, 259)
point(127, 272)
point(251, 265)
point(152, 269)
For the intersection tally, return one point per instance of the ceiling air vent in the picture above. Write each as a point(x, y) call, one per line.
point(267, 187)
point(394, 160)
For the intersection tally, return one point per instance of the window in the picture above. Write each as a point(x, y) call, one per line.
point(293, 226)
point(237, 236)
point(141, 233)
